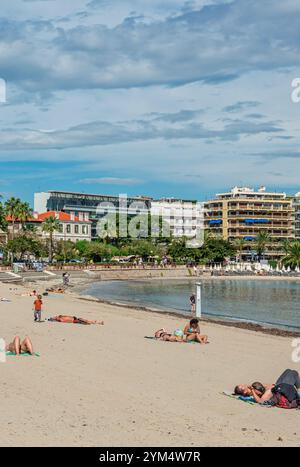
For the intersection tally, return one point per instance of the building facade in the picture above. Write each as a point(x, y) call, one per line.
point(95, 206)
point(297, 215)
point(72, 227)
point(243, 212)
point(184, 217)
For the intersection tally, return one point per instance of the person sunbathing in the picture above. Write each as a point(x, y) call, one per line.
point(192, 332)
point(29, 294)
point(55, 290)
point(262, 392)
point(74, 320)
point(17, 347)
point(163, 335)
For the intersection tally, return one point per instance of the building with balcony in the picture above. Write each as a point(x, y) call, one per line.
point(185, 218)
point(243, 212)
point(297, 215)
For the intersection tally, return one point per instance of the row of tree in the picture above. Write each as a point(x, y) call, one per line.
point(27, 242)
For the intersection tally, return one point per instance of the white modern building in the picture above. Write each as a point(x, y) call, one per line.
point(184, 217)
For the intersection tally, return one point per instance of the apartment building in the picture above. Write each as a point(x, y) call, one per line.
point(184, 217)
point(243, 212)
point(297, 215)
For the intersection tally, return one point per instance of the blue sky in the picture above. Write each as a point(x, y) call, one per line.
point(167, 98)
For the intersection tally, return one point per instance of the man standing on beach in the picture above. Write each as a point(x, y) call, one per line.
point(38, 303)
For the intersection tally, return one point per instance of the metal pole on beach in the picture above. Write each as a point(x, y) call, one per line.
point(198, 300)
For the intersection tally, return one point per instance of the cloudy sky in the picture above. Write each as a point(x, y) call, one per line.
point(162, 98)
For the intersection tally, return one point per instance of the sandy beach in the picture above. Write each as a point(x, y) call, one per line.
point(108, 386)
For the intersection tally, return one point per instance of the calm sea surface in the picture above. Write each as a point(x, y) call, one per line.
point(271, 302)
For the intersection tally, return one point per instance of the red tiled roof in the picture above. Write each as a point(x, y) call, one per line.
point(30, 219)
point(62, 216)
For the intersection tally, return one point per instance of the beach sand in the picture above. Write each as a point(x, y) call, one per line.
point(108, 386)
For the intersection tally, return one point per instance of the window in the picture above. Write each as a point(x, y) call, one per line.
point(76, 229)
point(68, 228)
point(84, 229)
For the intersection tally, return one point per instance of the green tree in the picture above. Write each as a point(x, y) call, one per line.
point(50, 226)
point(261, 243)
point(25, 213)
point(65, 250)
point(216, 249)
point(13, 210)
point(25, 244)
point(3, 223)
point(292, 257)
point(239, 245)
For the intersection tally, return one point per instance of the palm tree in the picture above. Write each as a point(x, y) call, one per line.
point(286, 244)
point(261, 242)
point(292, 257)
point(50, 226)
point(3, 223)
point(12, 210)
point(25, 212)
point(239, 244)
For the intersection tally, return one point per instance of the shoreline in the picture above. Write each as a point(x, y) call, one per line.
point(255, 327)
point(80, 284)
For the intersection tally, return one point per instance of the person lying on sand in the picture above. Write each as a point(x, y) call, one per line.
point(29, 294)
point(262, 392)
point(73, 320)
point(192, 332)
point(55, 290)
point(164, 335)
point(18, 347)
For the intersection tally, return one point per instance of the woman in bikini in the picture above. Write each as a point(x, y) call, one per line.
point(192, 332)
point(163, 335)
point(17, 347)
point(74, 320)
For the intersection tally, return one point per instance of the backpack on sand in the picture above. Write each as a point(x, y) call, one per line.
point(285, 396)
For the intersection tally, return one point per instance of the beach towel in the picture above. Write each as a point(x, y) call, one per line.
point(26, 354)
point(161, 340)
point(248, 399)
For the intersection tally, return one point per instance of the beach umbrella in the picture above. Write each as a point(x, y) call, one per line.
point(288, 269)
